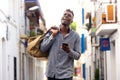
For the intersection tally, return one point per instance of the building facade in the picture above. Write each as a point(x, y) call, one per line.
point(11, 19)
point(106, 22)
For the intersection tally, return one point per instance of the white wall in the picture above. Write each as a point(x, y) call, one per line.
point(113, 58)
point(118, 56)
point(9, 37)
point(3, 54)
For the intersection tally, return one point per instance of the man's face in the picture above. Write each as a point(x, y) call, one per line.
point(67, 18)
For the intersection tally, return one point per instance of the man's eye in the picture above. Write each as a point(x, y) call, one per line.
point(69, 15)
point(65, 14)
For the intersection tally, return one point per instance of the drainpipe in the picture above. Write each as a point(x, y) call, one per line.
point(105, 57)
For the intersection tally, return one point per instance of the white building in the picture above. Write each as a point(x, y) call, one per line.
point(11, 19)
point(107, 26)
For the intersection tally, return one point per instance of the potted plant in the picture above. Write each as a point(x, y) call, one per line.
point(96, 74)
point(32, 33)
point(32, 26)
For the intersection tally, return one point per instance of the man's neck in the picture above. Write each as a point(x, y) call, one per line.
point(64, 29)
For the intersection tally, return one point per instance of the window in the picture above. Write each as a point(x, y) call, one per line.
point(110, 11)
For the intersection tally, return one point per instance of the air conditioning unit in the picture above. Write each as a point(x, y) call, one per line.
point(110, 13)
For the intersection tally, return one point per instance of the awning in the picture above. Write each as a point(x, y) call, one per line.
point(107, 29)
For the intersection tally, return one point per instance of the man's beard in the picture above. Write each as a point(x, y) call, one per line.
point(64, 24)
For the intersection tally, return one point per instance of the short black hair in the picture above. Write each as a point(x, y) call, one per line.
point(69, 10)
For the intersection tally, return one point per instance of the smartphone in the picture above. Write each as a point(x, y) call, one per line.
point(64, 44)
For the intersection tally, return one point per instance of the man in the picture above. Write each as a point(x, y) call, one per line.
point(63, 45)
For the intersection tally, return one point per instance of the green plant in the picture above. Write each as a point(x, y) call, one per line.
point(39, 32)
point(73, 25)
point(87, 25)
point(32, 34)
point(96, 74)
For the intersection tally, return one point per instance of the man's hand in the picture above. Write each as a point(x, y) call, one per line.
point(66, 47)
point(54, 30)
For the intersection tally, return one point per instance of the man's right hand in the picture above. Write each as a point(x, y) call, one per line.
point(54, 30)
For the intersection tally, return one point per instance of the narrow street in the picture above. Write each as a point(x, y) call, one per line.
point(96, 21)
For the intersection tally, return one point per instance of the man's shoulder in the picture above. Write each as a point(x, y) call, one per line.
point(75, 33)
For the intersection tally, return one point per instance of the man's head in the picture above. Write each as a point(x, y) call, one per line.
point(67, 17)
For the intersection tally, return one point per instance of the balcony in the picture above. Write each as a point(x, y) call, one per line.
point(36, 20)
point(106, 29)
point(106, 19)
point(34, 14)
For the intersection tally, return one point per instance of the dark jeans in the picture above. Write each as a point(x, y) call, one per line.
point(59, 79)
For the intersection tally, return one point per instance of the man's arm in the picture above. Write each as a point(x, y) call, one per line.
point(49, 39)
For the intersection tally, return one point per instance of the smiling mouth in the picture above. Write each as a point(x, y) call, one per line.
point(65, 19)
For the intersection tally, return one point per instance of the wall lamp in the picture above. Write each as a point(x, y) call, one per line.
point(33, 8)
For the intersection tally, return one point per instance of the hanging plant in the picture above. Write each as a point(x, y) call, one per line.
point(32, 33)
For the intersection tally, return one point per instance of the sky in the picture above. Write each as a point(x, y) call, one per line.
point(53, 10)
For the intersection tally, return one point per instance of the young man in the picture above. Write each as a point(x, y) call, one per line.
point(63, 45)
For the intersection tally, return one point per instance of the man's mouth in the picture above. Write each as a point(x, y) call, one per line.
point(65, 19)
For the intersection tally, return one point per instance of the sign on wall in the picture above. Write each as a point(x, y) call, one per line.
point(104, 44)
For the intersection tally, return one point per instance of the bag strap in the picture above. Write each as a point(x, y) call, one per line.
point(48, 31)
